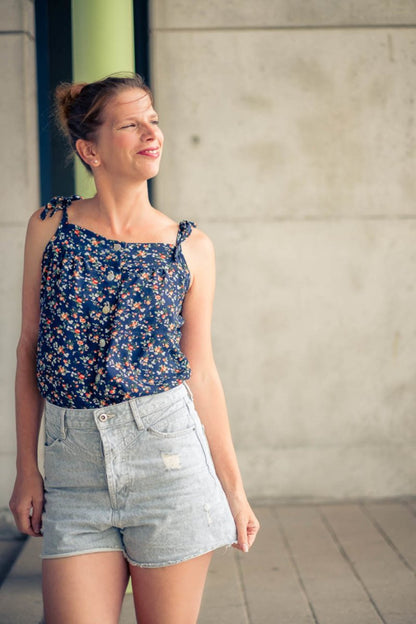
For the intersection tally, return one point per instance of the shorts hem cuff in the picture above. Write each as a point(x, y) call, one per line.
point(175, 562)
point(81, 552)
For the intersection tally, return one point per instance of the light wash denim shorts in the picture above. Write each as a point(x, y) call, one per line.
point(135, 477)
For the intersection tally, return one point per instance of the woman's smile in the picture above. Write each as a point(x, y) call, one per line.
point(150, 152)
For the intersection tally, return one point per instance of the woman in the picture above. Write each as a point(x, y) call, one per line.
point(117, 303)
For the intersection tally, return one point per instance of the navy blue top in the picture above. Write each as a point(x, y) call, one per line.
point(110, 316)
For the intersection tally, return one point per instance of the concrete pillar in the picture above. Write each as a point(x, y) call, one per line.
point(20, 197)
point(102, 44)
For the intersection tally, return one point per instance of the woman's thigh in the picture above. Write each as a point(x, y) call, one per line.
point(172, 594)
point(84, 589)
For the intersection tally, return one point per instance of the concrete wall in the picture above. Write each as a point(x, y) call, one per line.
point(20, 196)
point(290, 139)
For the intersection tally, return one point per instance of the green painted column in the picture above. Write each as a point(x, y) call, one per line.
point(102, 44)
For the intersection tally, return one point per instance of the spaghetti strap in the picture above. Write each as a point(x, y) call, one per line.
point(59, 202)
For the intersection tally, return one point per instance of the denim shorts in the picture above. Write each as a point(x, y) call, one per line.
point(135, 477)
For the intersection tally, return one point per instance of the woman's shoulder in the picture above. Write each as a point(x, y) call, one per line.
point(197, 248)
point(175, 231)
point(39, 226)
point(194, 236)
point(45, 220)
point(48, 216)
point(58, 204)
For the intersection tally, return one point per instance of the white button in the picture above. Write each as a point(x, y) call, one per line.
point(102, 417)
point(106, 308)
point(117, 247)
point(97, 377)
point(110, 276)
point(102, 342)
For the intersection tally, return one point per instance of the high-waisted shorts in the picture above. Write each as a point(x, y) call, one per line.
point(135, 477)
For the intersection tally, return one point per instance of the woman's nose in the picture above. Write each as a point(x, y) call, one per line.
point(148, 131)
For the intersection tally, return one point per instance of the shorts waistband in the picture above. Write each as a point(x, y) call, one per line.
point(133, 409)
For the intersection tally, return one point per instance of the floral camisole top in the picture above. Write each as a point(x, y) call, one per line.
point(110, 316)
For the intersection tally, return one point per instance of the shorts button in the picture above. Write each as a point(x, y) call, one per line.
point(102, 417)
point(102, 342)
point(110, 276)
point(106, 308)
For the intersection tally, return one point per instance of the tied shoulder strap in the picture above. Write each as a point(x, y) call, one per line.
point(184, 230)
point(58, 203)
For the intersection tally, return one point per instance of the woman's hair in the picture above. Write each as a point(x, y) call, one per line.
point(79, 106)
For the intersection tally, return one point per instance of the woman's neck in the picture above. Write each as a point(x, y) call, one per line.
point(121, 208)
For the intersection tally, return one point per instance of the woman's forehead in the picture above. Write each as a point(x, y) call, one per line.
point(132, 101)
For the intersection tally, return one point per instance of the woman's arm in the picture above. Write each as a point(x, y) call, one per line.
point(206, 385)
point(26, 501)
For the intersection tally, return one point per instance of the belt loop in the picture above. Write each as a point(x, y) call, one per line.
point(63, 424)
point(135, 411)
point(189, 391)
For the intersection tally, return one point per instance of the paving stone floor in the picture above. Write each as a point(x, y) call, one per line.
point(343, 563)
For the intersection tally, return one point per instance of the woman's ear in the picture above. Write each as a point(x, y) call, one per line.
point(87, 152)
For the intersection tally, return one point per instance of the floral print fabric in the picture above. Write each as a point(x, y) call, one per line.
point(110, 316)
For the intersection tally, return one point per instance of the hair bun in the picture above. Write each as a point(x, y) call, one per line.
point(65, 95)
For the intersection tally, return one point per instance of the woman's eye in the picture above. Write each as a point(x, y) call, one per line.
point(154, 122)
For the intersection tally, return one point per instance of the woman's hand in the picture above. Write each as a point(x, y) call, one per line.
point(245, 521)
point(26, 503)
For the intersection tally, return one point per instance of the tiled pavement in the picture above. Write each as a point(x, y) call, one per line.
point(343, 563)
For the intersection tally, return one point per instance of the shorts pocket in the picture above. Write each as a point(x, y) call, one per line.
point(81, 443)
point(172, 422)
point(203, 440)
point(53, 432)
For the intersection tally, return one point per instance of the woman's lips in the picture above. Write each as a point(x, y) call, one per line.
point(152, 153)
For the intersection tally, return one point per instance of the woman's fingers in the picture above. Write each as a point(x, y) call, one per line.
point(247, 528)
point(252, 530)
point(21, 513)
point(25, 520)
point(241, 524)
point(26, 504)
point(36, 518)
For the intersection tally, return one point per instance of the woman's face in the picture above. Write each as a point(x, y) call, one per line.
point(129, 142)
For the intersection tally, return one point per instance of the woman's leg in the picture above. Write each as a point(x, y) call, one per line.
point(170, 595)
point(84, 589)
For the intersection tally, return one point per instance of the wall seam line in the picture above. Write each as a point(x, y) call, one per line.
point(18, 32)
point(277, 219)
point(183, 29)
